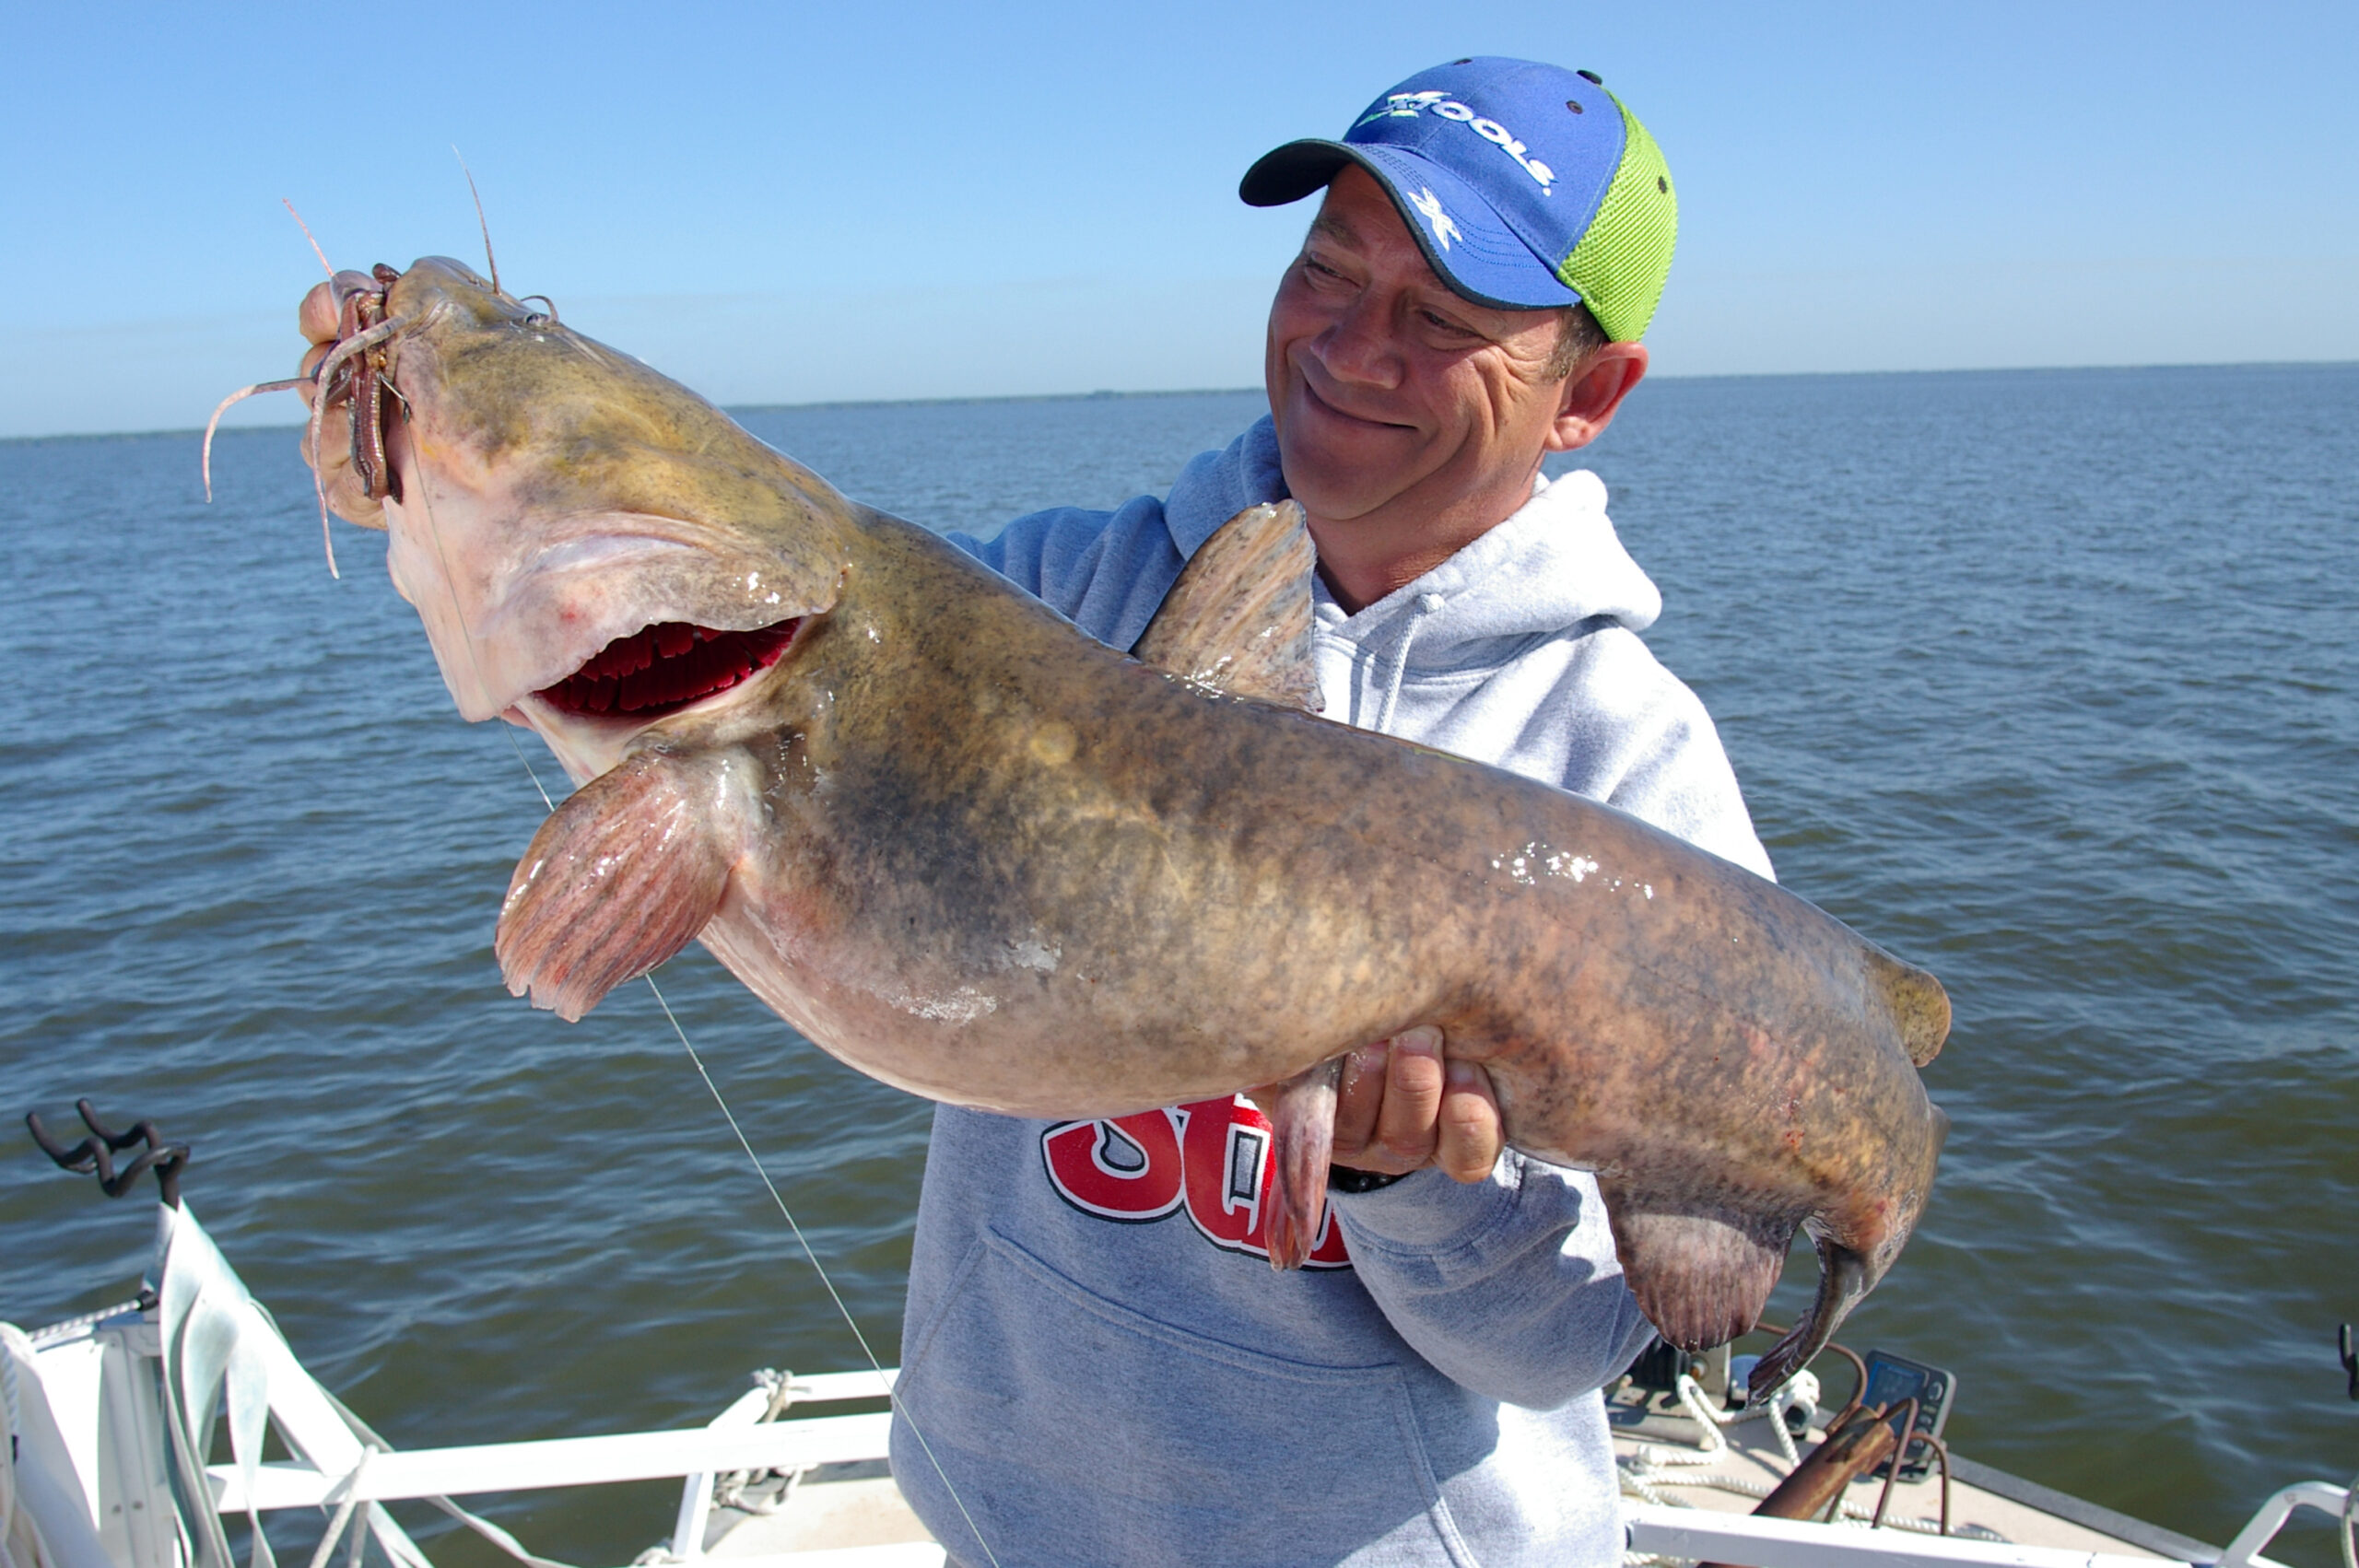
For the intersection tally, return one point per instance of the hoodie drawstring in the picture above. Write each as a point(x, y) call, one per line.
point(1429, 604)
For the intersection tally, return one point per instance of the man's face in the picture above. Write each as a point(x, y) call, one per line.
point(1394, 397)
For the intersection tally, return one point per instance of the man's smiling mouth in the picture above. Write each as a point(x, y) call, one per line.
point(1327, 406)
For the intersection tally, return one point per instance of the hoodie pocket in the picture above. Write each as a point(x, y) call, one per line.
point(1079, 1430)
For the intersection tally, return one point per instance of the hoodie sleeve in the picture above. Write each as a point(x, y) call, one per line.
point(1508, 1286)
point(1106, 571)
point(1109, 571)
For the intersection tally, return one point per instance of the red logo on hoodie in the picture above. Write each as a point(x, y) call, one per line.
point(1212, 1158)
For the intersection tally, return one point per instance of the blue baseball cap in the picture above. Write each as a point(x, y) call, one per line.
point(1527, 186)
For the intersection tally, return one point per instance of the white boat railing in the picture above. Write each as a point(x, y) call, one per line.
point(557, 1462)
point(769, 1398)
point(734, 1441)
point(1696, 1534)
point(211, 1348)
point(2338, 1503)
point(95, 1473)
point(1702, 1535)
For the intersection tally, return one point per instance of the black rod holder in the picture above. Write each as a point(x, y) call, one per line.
point(97, 1152)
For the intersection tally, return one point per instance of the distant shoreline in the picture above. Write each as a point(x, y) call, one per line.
point(1664, 379)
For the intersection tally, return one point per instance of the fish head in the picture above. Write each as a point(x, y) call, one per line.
point(592, 547)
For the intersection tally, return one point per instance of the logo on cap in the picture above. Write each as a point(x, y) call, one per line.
point(1409, 105)
point(1444, 229)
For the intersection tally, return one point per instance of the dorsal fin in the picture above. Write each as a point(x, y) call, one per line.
point(1239, 619)
point(1919, 1006)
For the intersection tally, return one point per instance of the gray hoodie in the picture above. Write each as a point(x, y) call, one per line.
point(1101, 1364)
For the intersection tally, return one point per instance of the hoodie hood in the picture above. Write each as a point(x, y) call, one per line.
point(1554, 572)
point(1556, 565)
point(1216, 486)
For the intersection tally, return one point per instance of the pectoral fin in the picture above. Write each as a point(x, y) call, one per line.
point(1239, 619)
point(621, 877)
point(1302, 1120)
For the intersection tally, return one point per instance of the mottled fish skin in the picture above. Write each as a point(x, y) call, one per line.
point(974, 854)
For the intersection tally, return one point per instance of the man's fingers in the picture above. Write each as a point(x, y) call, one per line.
point(1469, 1137)
point(1356, 1101)
point(311, 362)
point(1401, 1107)
point(1413, 1095)
point(317, 317)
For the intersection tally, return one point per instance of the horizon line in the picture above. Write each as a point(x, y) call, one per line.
point(1108, 394)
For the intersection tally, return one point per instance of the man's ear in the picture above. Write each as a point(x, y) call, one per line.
point(1592, 393)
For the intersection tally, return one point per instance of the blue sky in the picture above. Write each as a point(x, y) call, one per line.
point(799, 203)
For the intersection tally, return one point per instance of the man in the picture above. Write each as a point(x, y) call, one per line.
point(1097, 1368)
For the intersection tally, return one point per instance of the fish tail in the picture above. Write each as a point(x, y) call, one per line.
point(1842, 1280)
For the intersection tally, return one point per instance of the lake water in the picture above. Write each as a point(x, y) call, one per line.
point(2047, 681)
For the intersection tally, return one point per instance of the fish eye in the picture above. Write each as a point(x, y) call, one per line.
point(540, 319)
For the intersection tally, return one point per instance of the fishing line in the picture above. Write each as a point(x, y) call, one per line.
point(450, 586)
point(801, 1240)
point(307, 234)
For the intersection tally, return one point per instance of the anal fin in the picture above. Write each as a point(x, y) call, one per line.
point(621, 877)
point(1239, 619)
point(1700, 1279)
point(1302, 1123)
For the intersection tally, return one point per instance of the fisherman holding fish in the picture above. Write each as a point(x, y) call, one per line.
point(974, 854)
point(1092, 1350)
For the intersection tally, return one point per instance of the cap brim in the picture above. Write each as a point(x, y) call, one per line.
point(1466, 242)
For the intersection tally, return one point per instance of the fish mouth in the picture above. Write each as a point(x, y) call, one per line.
point(661, 669)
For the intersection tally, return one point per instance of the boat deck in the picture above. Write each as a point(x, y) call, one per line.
point(856, 1509)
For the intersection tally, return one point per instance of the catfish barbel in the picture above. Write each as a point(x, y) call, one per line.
point(977, 855)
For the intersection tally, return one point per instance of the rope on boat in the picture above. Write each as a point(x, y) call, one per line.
point(1802, 1389)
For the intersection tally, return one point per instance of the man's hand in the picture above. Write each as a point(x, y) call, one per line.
point(316, 318)
point(1403, 1108)
point(339, 483)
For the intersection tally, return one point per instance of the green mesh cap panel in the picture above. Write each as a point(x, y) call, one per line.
point(1619, 267)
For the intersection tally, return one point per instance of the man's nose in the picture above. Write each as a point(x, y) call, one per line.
point(1362, 346)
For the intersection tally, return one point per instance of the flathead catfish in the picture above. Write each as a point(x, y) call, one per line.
point(974, 854)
